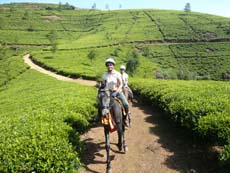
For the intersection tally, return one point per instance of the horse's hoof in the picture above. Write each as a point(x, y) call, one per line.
point(119, 147)
point(126, 149)
point(130, 124)
point(126, 123)
point(109, 170)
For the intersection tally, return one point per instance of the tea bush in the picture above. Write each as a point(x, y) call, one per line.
point(199, 106)
point(41, 120)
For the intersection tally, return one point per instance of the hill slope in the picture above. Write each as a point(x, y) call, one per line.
point(119, 33)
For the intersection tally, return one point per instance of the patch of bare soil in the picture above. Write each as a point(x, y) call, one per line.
point(209, 35)
point(52, 17)
point(155, 145)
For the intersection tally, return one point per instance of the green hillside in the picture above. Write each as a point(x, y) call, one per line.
point(172, 42)
point(40, 115)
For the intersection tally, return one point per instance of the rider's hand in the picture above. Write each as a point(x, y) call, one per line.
point(114, 94)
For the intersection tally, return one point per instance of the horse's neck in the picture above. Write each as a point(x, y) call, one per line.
point(111, 103)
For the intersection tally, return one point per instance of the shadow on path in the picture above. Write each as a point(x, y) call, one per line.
point(189, 155)
point(93, 154)
point(92, 150)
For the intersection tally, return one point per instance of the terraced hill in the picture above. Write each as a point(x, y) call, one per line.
point(170, 44)
point(75, 42)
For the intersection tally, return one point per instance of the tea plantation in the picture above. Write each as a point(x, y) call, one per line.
point(41, 118)
point(190, 45)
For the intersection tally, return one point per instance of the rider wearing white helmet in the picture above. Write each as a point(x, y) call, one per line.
point(112, 80)
point(124, 76)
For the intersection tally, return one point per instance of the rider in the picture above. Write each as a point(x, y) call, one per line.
point(112, 80)
point(124, 76)
point(126, 90)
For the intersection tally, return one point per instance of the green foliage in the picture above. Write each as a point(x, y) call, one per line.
point(66, 6)
point(200, 106)
point(91, 55)
point(184, 74)
point(215, 127)
point(43, 134)
point(40, 128)
point(11, 65)
point(94, 29)
point(132, 63)
point(187, 7)
point(76, 63)
point(203, 61)
point(52, 36)
point(86, 28)
point(225, 157)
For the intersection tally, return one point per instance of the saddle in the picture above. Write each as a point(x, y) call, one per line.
point(122, 106)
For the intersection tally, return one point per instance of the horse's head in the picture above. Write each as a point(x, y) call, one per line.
point(104, 98)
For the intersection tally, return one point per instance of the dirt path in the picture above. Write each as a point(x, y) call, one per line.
point(155, 144)
point(28, 61)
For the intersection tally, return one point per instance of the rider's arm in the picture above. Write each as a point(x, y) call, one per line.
point(119, 84)
point(126, 79)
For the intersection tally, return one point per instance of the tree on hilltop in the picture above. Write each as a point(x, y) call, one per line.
point(94, 6)
point(187, 7)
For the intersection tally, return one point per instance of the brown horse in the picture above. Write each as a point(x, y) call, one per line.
point(129, 96)
point(110, 107)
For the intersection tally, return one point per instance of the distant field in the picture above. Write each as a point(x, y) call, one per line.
point(200, 61)
point(127, 30)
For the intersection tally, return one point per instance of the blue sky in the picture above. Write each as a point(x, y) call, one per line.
point(217, 7)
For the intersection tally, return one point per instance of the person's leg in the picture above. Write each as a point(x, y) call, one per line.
point(123, 99)
point(126, 106)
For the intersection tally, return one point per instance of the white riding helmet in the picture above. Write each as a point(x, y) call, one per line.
point(110, 60)
point(122, 67)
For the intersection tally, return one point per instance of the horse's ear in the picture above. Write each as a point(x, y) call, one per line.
point(101, 85)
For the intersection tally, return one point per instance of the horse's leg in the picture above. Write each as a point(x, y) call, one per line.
point(131, 95)
point(127, 97)
point(125, 145)
point(120, 136)
point(107, 147)
point(129, 119)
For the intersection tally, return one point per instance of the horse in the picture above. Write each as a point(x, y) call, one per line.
point(109, 107)
point(129, 96)
point(128, 93)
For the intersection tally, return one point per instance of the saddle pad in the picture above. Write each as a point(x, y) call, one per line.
point(109, 121)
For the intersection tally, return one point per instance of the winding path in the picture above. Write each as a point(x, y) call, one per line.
point(155, 144)
point(28, 61)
